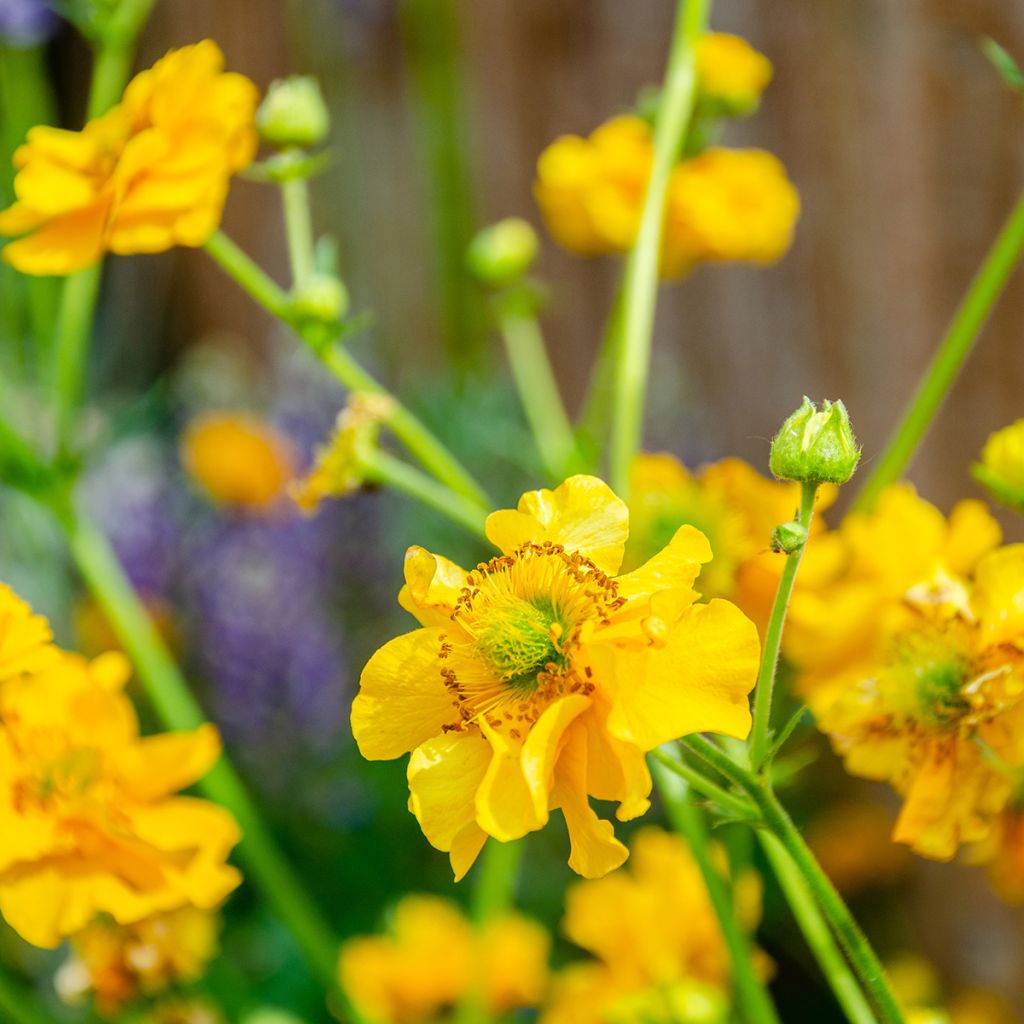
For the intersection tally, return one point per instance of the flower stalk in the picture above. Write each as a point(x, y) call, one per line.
point(640, 279)
point(961, 335)
point(18, 1005)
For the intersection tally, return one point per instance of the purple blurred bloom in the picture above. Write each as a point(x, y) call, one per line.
point(26, 22)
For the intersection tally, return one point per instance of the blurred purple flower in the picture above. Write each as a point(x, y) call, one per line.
point(26, 22)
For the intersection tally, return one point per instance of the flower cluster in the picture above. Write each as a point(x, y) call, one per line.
point(88, 808)
point(432, 957)
point(149, 174)
point(721, 204)
point(541, 678)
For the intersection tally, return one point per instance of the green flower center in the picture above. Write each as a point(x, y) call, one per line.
point(939, 684)
point(518, 641)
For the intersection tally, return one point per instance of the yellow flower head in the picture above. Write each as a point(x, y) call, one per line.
point(432, 956)
point(653, 930)
point(541, 678)
point(728, 205)
point(118, 963)
point(941, 713)
point(734, 507)
point(1002, 853)
point(237, 459)
point(26, 643)
point(730, 72)
point(150, 174)
point(1001, 468)
point(87, 807)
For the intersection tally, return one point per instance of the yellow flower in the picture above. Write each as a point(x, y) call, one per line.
point(237, 459)
point(118, 963)
point(540, 678)
point(1002, 854)
point(653, 930)
point(26, 643)
point(940, 715)
point(431, 957)
point(1001, 468)
point(150, 174)
point(87, 807)
point(731, 72)
point(728, 205)
point(734, 507)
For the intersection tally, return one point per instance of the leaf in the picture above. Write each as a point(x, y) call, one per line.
point(1007, 67)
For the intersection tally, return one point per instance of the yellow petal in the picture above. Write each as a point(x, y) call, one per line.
point(697, 682)
point(582, 514)
point(544, 745)
point(616, 770)
point(68, 243)
point(466, 847)
point(998, 599)
point(402, 700)
point(432, 586)
point(676, 565)
point(158, 765)
point(505, 806)
point(973, 531)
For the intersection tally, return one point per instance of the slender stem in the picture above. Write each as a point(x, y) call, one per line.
point(178, 709)
point(416, 437)
point(640, 280)
point(592, 425)
point(381, 468)
point(820, 940)
point(538, 390)
point(19, 1005)
point(726, 800)
point(298, 225)
point(955, 347)
point(773, 636)
point(687, 820)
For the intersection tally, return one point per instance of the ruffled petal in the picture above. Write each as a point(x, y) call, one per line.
point(70, 242)
point(432, 586)
point(505, 805)
point(158, 765)
point(676, 565)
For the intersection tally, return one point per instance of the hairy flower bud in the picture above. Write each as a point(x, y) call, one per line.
point(788, 537)
point(293, 113)
point(503, 252)
point(816, 447)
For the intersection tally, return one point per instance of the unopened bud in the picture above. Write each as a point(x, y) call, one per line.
point(293, 113)
point(321, 297)
point(816, 447)
point(503, 252)
point(1001, 469)
point(789, 537)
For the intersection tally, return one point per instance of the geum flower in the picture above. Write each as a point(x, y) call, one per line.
point(88, 812)
point(150, 174)
point(941, 715)
point(540, 678)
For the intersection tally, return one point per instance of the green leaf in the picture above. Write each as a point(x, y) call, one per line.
point(1007, 67)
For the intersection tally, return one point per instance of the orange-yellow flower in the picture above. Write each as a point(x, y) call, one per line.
point(237, 459)
point(540, 678)
point(88, 811)
point(150, 174)
point(118, 963)
point(432, 956)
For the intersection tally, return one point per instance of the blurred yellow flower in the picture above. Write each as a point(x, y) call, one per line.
point(731, 72)
point(1001, 468)
point(26, 643)
point(728, 205)
point(655, 936)
point(734, 507)
point(237, 459)
point(1002, 853)
point(540, 679)
point(150, 174)
point(87, 807)
point(432, 955)
point(118, 963)
point(941, 714)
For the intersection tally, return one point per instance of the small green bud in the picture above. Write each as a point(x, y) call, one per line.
point(789, 537)
point(293, 113)
point(816, 447)
point(503, 252)
point(321, 297)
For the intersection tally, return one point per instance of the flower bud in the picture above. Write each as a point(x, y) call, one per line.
point(788, 537)
point(816, 447)
point(321, 297)
point(503, 252)
point(1001, 469)
point(293, 113)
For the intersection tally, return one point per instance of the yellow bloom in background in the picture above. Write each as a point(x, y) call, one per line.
point(26, 642)
point(116, 964)
point(731, 72)
point(1002, 854)
point(728, 205)
point(540, 678)
point(88, 812)
point(1001, 468)
point(432, 955)
point(237, 459)
point(655, 937)
point(735, 507)
point(150, 174)
point(941, 714)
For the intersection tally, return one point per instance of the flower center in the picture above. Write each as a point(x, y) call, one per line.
point(519, 639)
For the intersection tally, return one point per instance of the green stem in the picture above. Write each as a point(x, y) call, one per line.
point(686, 819)
point(773, 636)
point(381, 468)
point(640, 279)
point(178, 710)
point(726, 800)
point(298, 227)
point(538, 390)
point(19, 1005)
point(592, 426)
point(955, 347)
point(416, 437)
point(816, 932)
